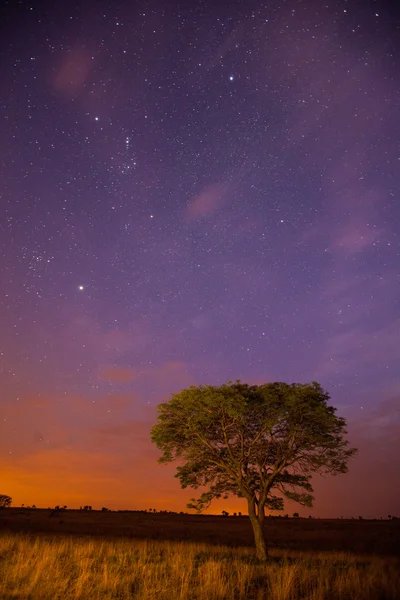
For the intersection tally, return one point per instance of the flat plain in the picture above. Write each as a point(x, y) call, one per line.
point(136, 555)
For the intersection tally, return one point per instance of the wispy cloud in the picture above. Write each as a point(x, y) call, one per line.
point(207, 202)
point(377, 348)
point(74, 69)
point(115, 374)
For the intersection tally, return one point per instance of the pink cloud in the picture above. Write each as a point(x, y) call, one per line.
point(207, 202)
point(74, 70)
point(115, 374)
point(355, 236)
point(174, 374)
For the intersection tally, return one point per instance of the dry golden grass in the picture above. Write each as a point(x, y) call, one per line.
point(316, 535)
point(72, 568)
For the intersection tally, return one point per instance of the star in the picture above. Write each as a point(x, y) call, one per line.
point(231, 78)
point(81, 288)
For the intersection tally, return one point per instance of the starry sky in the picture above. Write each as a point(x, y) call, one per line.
point(194, 192)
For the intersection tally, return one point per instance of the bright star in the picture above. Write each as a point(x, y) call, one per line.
point(231, 78)
point(81, 288)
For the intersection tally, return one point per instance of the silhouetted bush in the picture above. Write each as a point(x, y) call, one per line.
point(5, 501)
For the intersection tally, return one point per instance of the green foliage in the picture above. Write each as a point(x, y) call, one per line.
point(251, 441)
point(5, 501)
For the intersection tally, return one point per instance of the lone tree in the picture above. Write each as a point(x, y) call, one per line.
point(252, 441)
point(5, 501)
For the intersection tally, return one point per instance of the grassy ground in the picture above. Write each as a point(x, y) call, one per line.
point(358, 537)
point(72, 568)
point(84, 556)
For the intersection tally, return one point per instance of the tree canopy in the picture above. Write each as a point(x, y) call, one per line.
point(260, 442)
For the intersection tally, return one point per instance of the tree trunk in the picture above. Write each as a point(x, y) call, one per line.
point(261, 515)
point(259, 538)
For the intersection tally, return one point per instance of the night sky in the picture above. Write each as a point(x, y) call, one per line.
point(194, 192)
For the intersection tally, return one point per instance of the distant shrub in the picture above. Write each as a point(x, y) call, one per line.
point(5, 501)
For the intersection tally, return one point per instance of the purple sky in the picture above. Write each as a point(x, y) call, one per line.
point(193, 193)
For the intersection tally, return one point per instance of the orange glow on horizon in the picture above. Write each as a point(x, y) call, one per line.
point(97, 459)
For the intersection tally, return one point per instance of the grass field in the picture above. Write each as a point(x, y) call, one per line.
point(96, 555)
